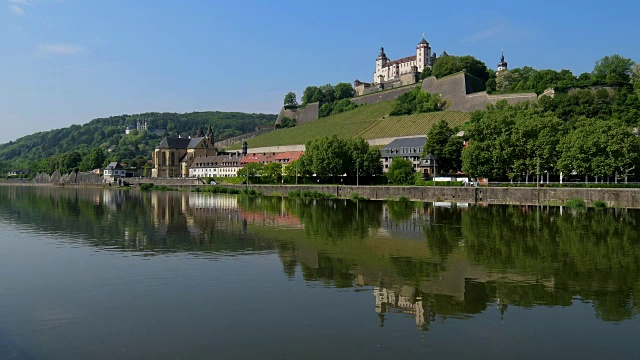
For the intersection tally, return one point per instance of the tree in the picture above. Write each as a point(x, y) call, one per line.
point(507, 80)
point(343, 91)
point(613, 69)
point(290, 101)
point(286, 122)
point(93, 160)
point(635, 77)
point(252, 170)
point(364, 160)
point(401, 172)
point(425, 73)
point(326, 156)
point(271, 173)
point(417, 101)
point(443, 143)
point(452, 64)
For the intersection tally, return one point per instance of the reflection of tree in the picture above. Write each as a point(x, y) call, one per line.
point(401, 210)
point(594, 254)
point(541, 257)
point(442, 231)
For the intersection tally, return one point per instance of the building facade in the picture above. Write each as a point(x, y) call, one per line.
point(388, 70)
point(174, 155)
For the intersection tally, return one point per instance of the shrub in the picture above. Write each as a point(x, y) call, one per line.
point(575, 203)
point(356, 197)
point(599, 204)
point(310, 195)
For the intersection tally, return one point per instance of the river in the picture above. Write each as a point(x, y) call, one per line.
point(103, 274)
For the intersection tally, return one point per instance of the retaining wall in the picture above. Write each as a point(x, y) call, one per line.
point(624, 198)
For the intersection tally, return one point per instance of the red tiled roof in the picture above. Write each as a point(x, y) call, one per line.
point(287, 156)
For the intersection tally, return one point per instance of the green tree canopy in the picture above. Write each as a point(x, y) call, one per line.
point(613, 69)
point(401, 172)
point(417, 101)
point(448, 65)
point(290, 101)
point(443, 143)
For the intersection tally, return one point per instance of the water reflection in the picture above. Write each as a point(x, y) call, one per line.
point(423, 260)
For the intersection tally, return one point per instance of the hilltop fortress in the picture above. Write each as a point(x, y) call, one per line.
point(392, 78)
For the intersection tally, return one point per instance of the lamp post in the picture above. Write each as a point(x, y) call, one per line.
point(358, 172)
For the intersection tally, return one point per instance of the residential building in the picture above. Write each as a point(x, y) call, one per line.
point(404, 148)
point(216, 166)
point(114, 171)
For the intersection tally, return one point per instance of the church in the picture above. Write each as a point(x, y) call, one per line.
point(388, 70)
point(174, 155)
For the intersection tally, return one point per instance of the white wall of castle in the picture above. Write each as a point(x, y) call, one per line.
point(423, 59)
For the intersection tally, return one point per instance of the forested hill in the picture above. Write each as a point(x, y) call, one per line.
point(105, 133)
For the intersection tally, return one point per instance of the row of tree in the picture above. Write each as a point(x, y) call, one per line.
point(513, 142)
point(613, 70)
point(325, 160)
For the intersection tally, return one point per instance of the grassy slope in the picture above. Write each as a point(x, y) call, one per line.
point(368, 122)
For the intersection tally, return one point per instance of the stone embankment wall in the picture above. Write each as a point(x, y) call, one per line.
point(71, 178)
point(164, 181)
point(624, 198)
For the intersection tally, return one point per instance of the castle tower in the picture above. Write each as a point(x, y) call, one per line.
point(502, 65)
point(381, 61)
point(423, 54)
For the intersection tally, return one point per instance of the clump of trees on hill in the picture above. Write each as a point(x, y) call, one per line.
point(613, 70)
point(332, 99)
point(417, 101)
point(447, 65)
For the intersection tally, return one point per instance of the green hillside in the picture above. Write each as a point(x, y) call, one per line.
point(108, 135)
point(368, 122)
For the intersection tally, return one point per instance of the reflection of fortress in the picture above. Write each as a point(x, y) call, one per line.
point(405, 301)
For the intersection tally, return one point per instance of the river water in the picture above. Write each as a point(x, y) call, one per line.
point(105, 274)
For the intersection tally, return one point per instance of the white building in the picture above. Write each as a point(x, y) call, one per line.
point(387, 70)
point(112, 171)
point(215, 166)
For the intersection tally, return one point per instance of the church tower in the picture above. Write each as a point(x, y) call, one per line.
point(381, 61)
point(502, 65)
point(423, 54)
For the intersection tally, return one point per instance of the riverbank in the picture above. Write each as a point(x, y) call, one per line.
point(619, 198)
point(609, 197)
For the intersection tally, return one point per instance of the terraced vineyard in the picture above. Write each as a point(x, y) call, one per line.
point(368, 122)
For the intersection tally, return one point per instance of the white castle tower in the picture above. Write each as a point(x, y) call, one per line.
point(502, 65)
point(423, 54)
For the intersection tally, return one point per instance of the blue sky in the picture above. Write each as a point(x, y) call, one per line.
point(66, 62)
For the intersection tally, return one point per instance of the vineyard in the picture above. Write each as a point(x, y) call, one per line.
point(368, 121)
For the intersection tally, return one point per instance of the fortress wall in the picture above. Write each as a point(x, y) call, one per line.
point(377, 97)
point(236, 139)
point(309, 113)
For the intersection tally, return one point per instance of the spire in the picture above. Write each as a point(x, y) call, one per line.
point(209, 131)
point(200, 132)
point(502, 65)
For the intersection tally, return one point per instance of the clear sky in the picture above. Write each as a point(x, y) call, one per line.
point(66, 62)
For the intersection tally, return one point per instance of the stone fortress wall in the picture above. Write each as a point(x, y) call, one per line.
point(308, 113)
point(456, 88)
